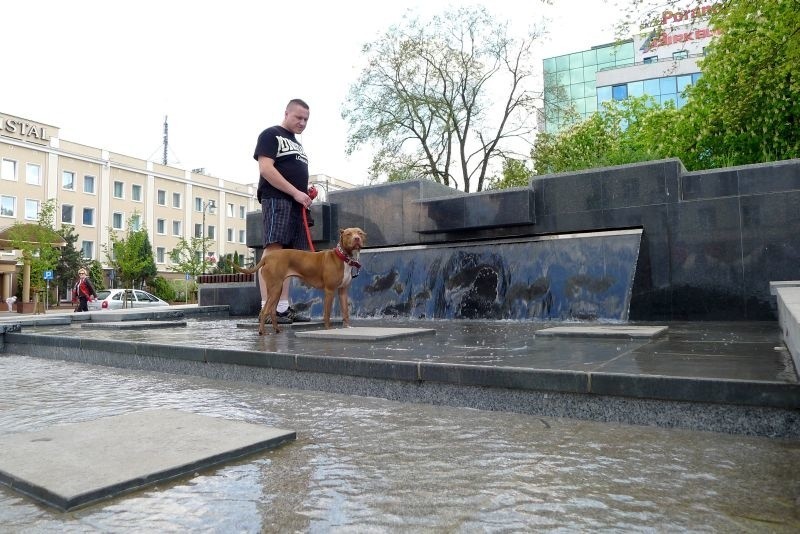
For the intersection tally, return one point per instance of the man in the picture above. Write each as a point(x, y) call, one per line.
point(282, 192)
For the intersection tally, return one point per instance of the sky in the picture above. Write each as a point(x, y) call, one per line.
point(107, 73)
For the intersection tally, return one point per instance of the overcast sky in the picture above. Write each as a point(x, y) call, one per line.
point(108, 72)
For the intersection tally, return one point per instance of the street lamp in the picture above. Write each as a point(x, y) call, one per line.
point(210, 206)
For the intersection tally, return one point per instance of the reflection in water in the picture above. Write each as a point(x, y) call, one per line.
point(377, 465)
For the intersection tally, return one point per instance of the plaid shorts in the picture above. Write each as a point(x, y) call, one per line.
point(282, 224)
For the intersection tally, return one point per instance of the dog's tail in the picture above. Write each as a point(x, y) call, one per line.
point(247, 270)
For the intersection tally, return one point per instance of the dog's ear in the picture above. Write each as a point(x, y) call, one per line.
point(341, 231)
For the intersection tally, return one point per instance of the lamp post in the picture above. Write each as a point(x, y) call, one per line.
point(210, 206)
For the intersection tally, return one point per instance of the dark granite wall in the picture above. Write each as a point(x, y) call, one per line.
point(711, 241)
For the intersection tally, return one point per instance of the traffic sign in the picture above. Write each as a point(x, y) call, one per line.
point(48, 275)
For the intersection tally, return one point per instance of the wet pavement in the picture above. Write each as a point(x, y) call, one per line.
point(712, 369)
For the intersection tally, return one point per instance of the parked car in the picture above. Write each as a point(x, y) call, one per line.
point(117, 299)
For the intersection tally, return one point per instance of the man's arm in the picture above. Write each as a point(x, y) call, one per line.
point(266, 166)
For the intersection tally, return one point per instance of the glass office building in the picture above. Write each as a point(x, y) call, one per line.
point(660, 62)
point(570, 90)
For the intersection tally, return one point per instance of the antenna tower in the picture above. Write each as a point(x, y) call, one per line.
point(166, 140)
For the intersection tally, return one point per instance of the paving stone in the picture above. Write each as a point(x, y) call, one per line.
point(603, 331)
point(130, 325)
point(74, 465)
point(368, 333)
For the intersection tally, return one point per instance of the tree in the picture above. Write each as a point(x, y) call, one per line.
point(515, 174)
point(66, 270)
point(38, 244)
point(187, 257)
point(131, 257)
point(627, 131)
point(746, 106)
point(444, 99)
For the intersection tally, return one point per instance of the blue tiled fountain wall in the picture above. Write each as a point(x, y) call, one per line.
point(711, 242)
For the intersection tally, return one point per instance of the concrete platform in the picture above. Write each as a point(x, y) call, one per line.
point(365, 333)
point(604, 331)
point(128, 325)
point(76, 465)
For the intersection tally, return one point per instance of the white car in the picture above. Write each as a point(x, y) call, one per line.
point(118, 299)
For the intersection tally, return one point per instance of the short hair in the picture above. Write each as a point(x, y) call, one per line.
point(298, 102)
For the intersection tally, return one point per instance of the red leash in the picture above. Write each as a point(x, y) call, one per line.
point(312, 192)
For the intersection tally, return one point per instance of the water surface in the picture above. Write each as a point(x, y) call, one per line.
point(372, 465)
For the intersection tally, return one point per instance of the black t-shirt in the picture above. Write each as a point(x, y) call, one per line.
point(280, 145)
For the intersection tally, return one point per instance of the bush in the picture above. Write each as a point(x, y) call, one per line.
point(161, 288)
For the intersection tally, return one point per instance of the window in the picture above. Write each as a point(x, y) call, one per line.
point(619, 92)
point(176, 228)
point(241, 236)
point(230, 235)
point(88, 184)
point(668, 85)
point(68, 180)
point(603, 95)
point(230, 210)
point(119, 190)
point(161, 226)
point(116, 221)
point(680, 54)
point(8, 206)
point(87, 249)
point(160, 254)
point(162, 197)
point(31, 209)
point(136, 192)
point(176, 200)
point(8, 171)
point(650, 59)
point(211, 232)
point(198, 230)
point(33, 174)
point(67, 214)
point(198, 204)
point(136, 222)
point(241, 212)
point(88, 216)
point(651, 87)
point(684, 82)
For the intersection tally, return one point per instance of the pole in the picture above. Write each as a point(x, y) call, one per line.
point(204, 238)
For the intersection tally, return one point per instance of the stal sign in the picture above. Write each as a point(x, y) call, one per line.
point(23, 129)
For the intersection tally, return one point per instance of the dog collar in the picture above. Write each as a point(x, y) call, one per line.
point(345, 258)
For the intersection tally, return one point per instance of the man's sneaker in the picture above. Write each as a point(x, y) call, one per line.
point(291, 316)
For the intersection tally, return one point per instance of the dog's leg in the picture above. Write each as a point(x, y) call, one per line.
point(273, 295)
point(327, 308)
point(262, 316)
point(345, 306)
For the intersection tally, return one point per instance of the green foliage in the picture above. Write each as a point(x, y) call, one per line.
point(94, 270)
point(628, 131)
point(131, 256)
point(744, 109)
point(226, 264)
point(162, 288)
point(187, 256)
point(37, 244)
point(746, 106)
point(515, 174)
point(444, 99)
point(66, 271)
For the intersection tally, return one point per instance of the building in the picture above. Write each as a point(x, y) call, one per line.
point(660, 61)
point(97, 190)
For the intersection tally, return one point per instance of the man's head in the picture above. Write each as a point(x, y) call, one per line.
point(295, 117)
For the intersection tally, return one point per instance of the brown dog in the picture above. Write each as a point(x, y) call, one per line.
point(328, 270)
